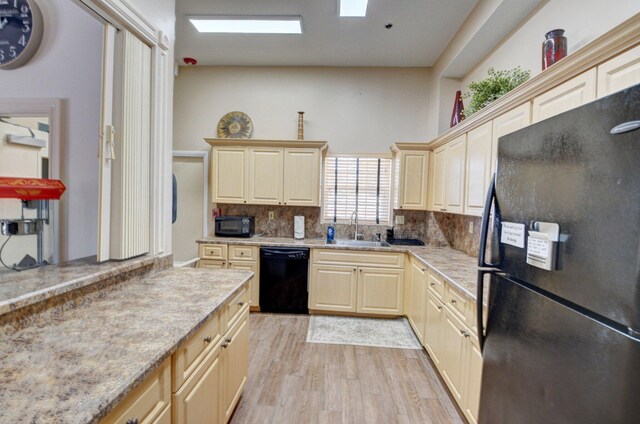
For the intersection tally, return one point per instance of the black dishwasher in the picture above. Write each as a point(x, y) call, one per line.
point(284, 273)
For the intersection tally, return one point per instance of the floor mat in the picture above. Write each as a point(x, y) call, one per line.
point(377, 332)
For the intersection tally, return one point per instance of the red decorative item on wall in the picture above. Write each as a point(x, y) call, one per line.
point(30, 188)
point(458, 110)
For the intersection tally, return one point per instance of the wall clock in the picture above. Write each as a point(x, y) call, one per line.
point(21, 28)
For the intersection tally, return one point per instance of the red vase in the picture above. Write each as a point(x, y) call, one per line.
point(458, 110)
point(554, 47)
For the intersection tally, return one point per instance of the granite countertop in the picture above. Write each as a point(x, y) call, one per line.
point(456, 267)
point(75, 367)
point(20, 289)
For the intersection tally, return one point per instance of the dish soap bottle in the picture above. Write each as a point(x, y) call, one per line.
point(330, 233)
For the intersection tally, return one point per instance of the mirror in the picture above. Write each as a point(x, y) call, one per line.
point(22, 154)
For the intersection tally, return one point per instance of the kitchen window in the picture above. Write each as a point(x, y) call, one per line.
point(357, 183)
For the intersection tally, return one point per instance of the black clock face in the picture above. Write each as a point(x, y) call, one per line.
point(20, 31)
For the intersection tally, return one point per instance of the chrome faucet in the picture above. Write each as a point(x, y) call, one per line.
point(356, 235)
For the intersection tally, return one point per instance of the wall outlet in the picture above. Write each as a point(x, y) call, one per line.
point(399, 219)
point(272, 215)
point(471, 227)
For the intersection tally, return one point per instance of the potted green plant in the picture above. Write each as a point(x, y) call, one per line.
point(495, 85)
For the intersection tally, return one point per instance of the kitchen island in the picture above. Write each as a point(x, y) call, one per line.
point(76, 361)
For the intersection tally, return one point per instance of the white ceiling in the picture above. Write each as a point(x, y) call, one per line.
point(421, 31)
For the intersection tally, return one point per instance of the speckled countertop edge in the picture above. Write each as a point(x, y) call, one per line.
point(60, 279)
point(459, 269)
point(105, 354)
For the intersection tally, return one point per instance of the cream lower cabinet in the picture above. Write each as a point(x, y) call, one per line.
point(343, 281)
point(206, 375)
point(222, 256)
point(333, 288)
point(234, 360)
point(455, 351)
point(434, 325)
point(418, 297)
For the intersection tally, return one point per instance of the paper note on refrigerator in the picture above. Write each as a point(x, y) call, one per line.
point(512, 233)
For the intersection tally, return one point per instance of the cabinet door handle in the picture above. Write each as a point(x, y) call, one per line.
point(433, 284)
point(424, 269)
point(354, 269)
point(240, 303)
point(439, 308)
point(225, 344)
point(208, 339)
point(228, 340)
point(132, 421)
point(453, 301)
point(464, 333)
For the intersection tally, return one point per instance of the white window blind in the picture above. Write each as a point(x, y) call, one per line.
point(361, 184)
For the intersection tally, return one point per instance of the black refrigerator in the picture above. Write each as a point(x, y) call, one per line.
point(561, 253)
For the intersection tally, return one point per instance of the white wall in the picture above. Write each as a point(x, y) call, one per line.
point(583, 21)
point(68, 66)
point(357, 110)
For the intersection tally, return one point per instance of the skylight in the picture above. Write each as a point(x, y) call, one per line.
point(353, 8)
point(248, 24)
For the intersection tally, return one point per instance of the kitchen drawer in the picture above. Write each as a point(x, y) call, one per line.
point(234, 307)
point(213, 251)
point(190, 353)
point(211, 263)
point(457, 303)
point(237, 252)
point(436, 284)
point(358, 258)
point(148, 401)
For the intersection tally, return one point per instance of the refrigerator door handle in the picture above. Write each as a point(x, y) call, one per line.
point(489, 201)
point(480, 305)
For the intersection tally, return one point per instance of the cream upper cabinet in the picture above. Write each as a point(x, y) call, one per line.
point(455, 175)
point(449, 176)
point(333, 288)
point(412, 168)
point(438, 179)
point(265, 175)
point(620, 72)
point(507, 123)
point(266, 172)
point(568, 95)
point(380, 291)
point(478, 168)
point(302, 177)
point(230, 176)
point(418, 298)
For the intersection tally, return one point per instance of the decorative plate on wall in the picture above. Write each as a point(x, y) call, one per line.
point(235, 125)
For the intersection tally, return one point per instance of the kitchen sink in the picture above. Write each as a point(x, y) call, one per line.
point(361, 243)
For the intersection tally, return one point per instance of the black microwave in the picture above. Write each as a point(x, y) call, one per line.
point(235, 226)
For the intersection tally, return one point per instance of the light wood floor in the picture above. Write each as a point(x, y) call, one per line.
point(291, 381)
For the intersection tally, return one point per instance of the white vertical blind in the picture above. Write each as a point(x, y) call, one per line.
point(130, 204)
point(361, 184)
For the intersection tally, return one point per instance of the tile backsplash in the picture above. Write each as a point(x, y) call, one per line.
point(434, 228)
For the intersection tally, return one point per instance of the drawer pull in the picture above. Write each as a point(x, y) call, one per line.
point(433, 284)
point(241, 253)
point(439, 308)
point(225, 344)
point(133, 421)
point(228, 340)
point(424, 269)
point(240, 304)
point(464, 333)
point(208, 339)
point(453, 301)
